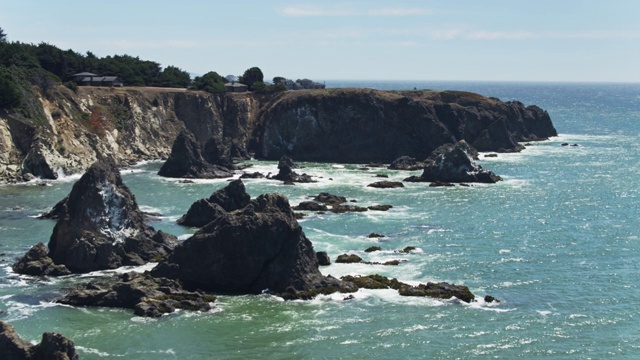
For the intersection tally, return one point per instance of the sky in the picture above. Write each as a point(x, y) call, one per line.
point(460, 40)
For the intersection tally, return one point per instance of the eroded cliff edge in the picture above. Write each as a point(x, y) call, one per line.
point(337, 125)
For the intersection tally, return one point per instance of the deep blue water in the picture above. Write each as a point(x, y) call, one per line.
point(557, 242)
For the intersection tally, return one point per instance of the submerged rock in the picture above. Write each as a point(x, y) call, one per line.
point(455, 166)
point(101, 227)
point(258, 248)
point(386, 184)
point(188, 160)
point(52, 346)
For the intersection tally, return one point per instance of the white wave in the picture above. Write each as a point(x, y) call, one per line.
point(92, 351)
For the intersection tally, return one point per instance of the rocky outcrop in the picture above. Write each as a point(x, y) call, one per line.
point(146, 295)
point(455, 166)
point(362, 125)
point(406, 163)
point(260, 247)
point(69, 131)
point(232, 197)
point(286, 173)
point(189, 160)
point(100, 227)
point(36, 262)
point(53, 346)
point(386, 184)
point(440, 290)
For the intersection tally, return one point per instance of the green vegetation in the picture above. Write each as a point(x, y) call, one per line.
point(210, 82)
point(252, 76)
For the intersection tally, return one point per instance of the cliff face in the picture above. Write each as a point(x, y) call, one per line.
point(340, 125)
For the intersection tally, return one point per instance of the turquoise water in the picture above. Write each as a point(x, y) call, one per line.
point(557, 242)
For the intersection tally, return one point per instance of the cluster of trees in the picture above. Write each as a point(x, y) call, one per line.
point(45, 65)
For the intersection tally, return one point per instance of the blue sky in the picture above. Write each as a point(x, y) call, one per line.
point(560, 40)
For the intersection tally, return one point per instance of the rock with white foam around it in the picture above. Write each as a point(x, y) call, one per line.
point(455, 165)
point(101, 226)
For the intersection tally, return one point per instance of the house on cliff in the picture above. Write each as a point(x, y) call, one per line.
point(236, 87)
point(302, 84)
point(91, 79)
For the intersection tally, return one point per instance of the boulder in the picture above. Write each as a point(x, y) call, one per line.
point(187, 160)
point(310, 206)
point(386, 184)
point(380, 207)
point(102, 226)
point(348, 259)
point(330, 199)
point(406, 163)
point(455, 166)
point(232, 197)
point(323, 258)
point(258, 248)
point(146, 295)
point(52, 346)
point(373, 248)
point(36, 262)
point(339, 209)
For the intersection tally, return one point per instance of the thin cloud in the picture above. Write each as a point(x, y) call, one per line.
point(340, 11)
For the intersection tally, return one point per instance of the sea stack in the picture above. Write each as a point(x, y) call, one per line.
point(101, 227)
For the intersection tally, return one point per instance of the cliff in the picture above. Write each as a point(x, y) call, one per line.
point(339, 125)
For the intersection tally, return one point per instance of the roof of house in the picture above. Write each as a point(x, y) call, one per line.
point(236, 85)
point(85, 74)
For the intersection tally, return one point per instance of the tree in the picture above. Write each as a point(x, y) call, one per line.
point(210, 82)
point(3, 36)
point(10, 96)
point(173, 76)
point(252, 76)
point(278, 80)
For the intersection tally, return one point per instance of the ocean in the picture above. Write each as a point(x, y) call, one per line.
point(557, 242)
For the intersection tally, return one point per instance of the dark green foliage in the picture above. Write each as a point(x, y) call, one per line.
point(210, 82)
point(10, 96)
point(172, 76)
point(278, 79)
point(260, 87)
point(252, 76)
point(279, 87)
point(72, 85)
point(3, 36)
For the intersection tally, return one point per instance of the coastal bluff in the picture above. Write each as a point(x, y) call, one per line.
point(66, 131)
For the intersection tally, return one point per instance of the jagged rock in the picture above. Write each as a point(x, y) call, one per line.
point(386, 184)
point(187, 160)
point(348, 259)
point(36, 262)
point(406, 163)
point(330, 199)
point(323, 258)
point(216, 154)
point(374, 235)
point(490, 299)
point(53, 346)
point(407, 249)
point(259, 247)
point(286, 173)
point(380, 207)
point(201, 213)
point(373, 248)
point(232, 197)
point(374, 282)
point(455, 166)
point(310, 206)
point(102, 226)
point(146, 295)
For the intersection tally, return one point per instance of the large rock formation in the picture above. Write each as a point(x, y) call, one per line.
point(232, 197)
point(286, 173)
point(362, 125)
point(101, 227)
point(53, 346)
point(455, 166)
point(65, 132)
point(188, 160)
point(260, 247)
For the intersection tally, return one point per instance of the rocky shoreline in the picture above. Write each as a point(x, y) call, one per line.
point(332, 125)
